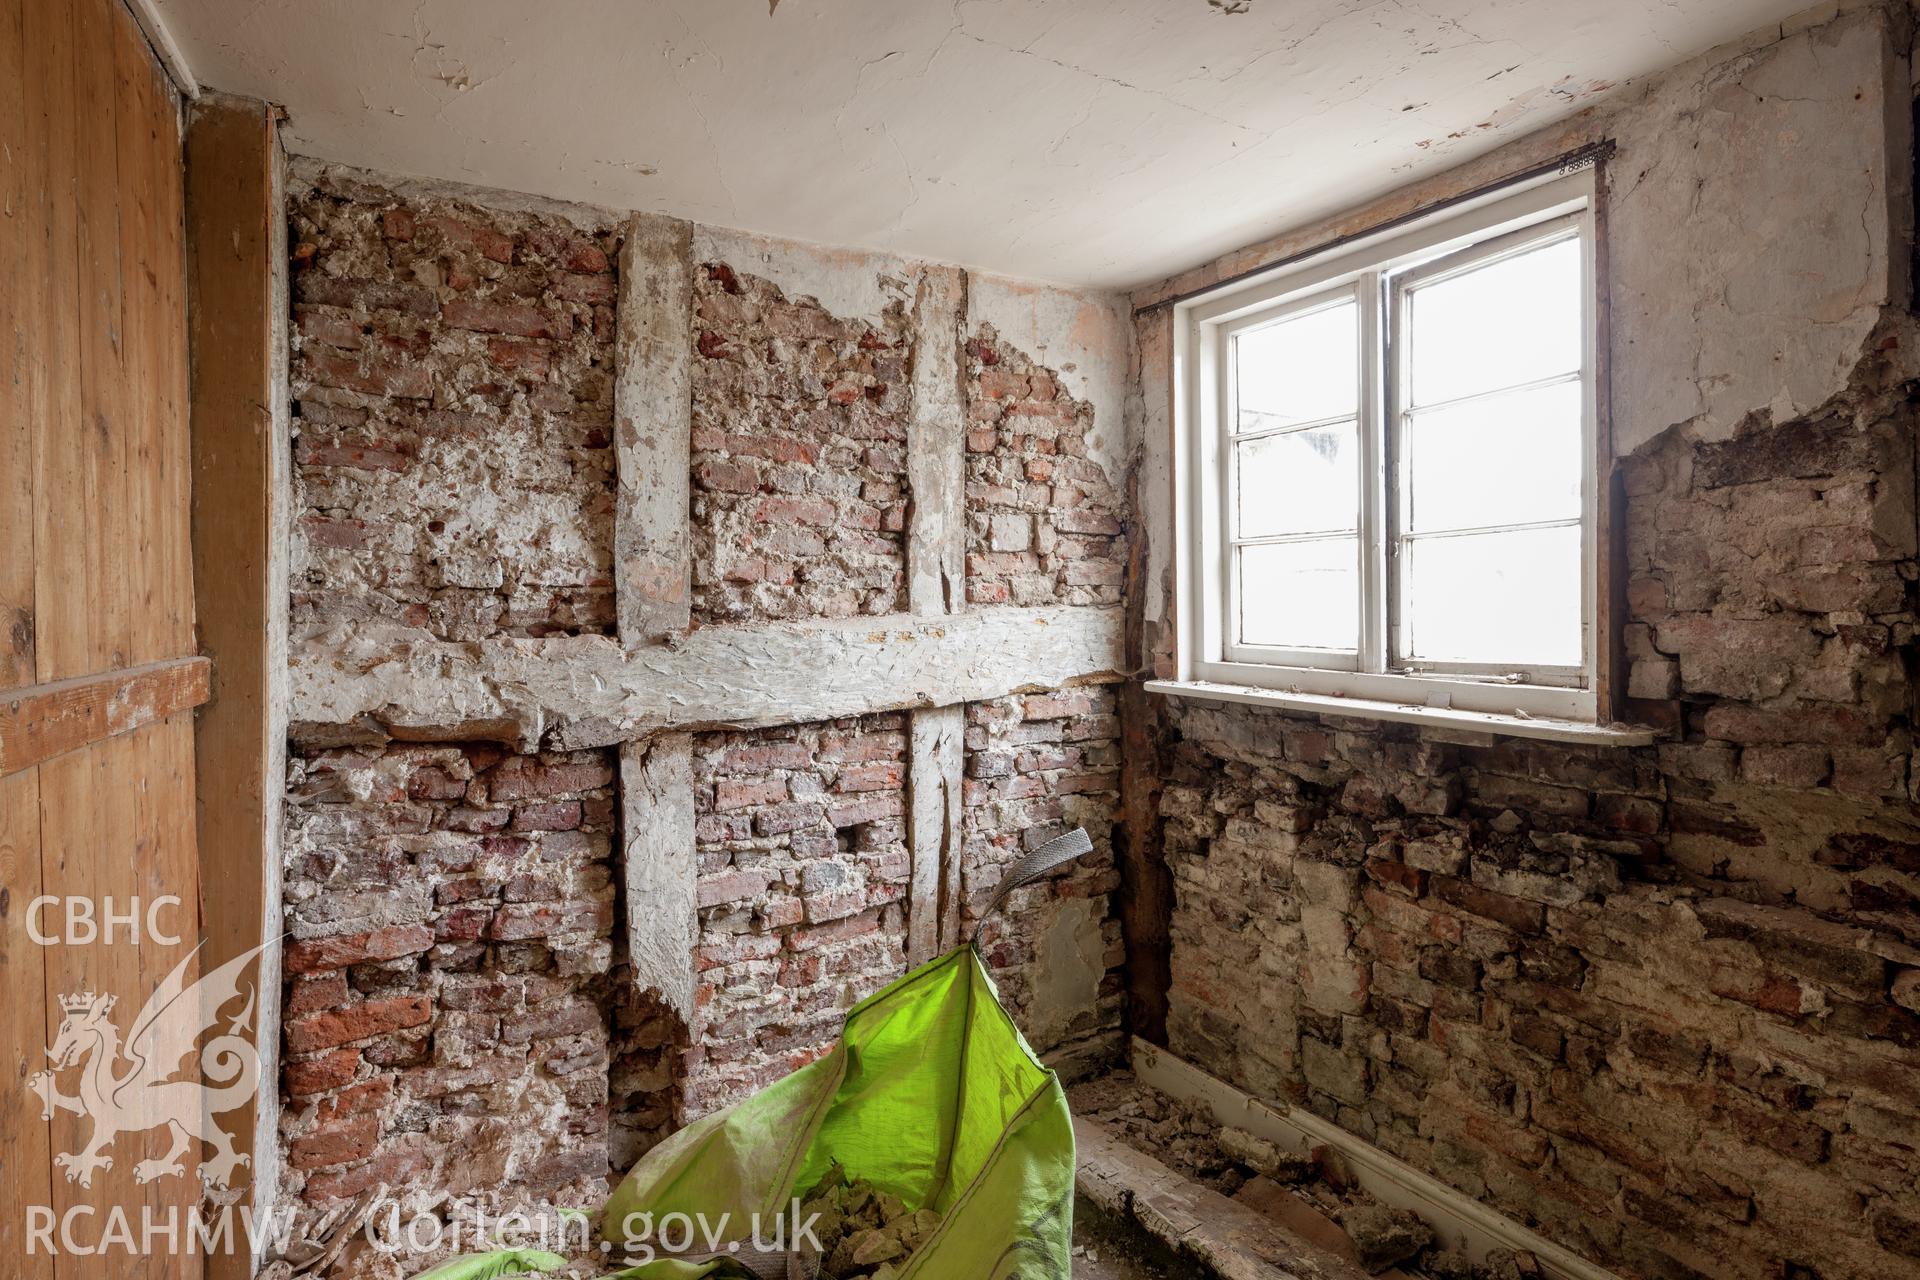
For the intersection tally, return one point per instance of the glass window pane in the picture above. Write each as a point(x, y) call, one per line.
point(1494, 597)
point(1301, 595)
point(1301, 482)
point(1514, 320)
point(1508, 459)
point(1303, 369)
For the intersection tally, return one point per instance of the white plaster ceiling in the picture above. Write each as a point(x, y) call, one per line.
point(1090, 142)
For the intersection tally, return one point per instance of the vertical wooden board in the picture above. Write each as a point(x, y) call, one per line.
point(103, 380)
point(62, 629)
point(74, 862)
point(174, 533)
point(234, 223)
point(116, 786)
point(17, 305)
point(134, 107)
point(168, 867)
point(24, 1155)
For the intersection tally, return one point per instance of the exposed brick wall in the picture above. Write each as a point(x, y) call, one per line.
point(459, 1015)
point(1664, 1002)
point(451, 910)
point(799, 455)
point(1039, 765)
point(1043, 518)
point(453, 414)
point(801, 841)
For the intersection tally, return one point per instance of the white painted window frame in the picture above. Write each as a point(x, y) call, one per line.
point(1464, 234)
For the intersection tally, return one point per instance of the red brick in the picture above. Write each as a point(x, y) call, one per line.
point(517, 319)
point(868, 777)
point(317, 1075)
point(307, 994)
point(524, 778)
point(808, 937)
point(861, 747)
point(1516, 914)
point(367, 1097)
point(808, 511)
point(589, 289)
point(872, 809)
point(773, 755)
point(367, 372)
point(352, 1140)
point(727, 476)
point(394, 1169)
point(736, 794)
point(526, 358)
point(339, 952)
point(735, 886)
point(551, 815)
point(516, 922)
point(356, 1022)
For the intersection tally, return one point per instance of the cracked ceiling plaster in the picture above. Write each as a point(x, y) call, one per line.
point(1090, 142)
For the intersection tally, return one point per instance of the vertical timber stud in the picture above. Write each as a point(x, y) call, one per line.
point(1146, 884)
point(653, 429)
point(936, 585)
point(656, 810)
point(236, 265)
point(653, 574)
point(937, 448)
point(933, 790)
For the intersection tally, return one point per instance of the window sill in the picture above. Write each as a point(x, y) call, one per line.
point(1510, 726)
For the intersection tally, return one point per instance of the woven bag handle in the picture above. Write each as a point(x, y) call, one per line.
point(1054, 853)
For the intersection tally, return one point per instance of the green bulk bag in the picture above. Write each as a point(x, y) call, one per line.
point(932, 1095)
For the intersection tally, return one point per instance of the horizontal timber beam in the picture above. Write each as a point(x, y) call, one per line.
point(584, 691)
point(42, 721)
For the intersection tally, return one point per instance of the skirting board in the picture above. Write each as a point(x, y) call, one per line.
point(1459, 1221)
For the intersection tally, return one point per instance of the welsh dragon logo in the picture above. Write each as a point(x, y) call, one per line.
point(127, 1086)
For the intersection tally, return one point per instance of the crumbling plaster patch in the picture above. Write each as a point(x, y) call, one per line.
point(1084, 337)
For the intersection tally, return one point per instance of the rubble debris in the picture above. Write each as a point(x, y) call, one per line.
point(1313, 1195)
point(1385, 1237)
point(863, 1231)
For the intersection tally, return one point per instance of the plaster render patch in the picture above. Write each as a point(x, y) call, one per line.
point(850, 284)
point(1068, 970)
point(1746, 275)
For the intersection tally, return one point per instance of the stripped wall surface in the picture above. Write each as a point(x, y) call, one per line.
point(748, 460)
point(450, 910)
point(799, 454)
point(453, 406)
point(1663, 1003)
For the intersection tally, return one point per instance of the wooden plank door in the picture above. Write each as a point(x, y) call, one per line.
point(98, 676)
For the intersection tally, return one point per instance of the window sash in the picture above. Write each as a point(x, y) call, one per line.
point(1375, 272)
point(1366, 330)
point(1398, 419)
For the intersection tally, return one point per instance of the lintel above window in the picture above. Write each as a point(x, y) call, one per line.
point(1388, 462)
